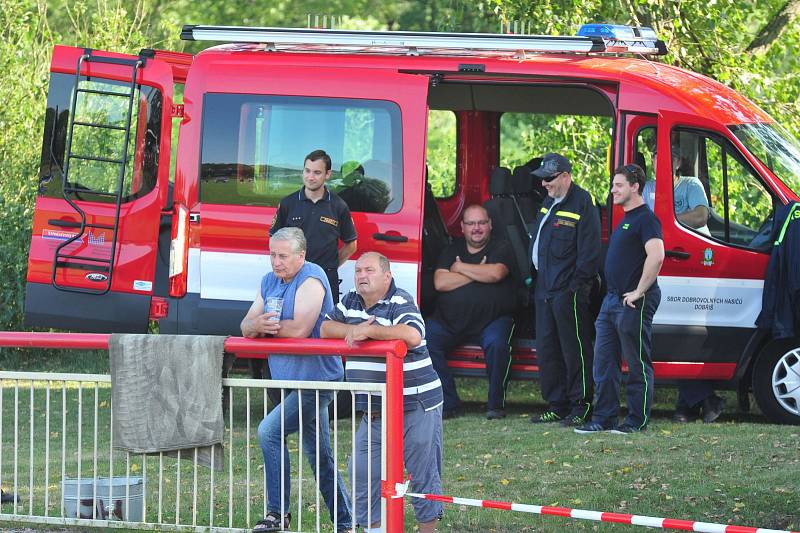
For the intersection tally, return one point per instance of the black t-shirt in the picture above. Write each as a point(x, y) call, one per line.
point(324, 223)
point(626, 253)
point(469, 309)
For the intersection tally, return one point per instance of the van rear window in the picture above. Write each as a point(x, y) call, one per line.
point(253, 149)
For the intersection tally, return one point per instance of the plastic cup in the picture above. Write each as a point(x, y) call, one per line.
point(274, 304)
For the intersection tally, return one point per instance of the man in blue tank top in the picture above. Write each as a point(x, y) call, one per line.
point(307, 299)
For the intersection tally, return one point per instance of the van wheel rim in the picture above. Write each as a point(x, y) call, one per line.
point(786, 381)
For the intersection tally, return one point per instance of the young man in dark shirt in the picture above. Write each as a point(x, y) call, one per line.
point(323, 216)
point(475, 304)
point(624, 326)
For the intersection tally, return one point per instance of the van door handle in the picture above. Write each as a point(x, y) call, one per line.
point(388, 237)
point(64, 223)
point(677, 254)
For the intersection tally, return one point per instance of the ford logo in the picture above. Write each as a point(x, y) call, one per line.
point(96, 276)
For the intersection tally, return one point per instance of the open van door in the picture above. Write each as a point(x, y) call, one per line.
point(102, 184)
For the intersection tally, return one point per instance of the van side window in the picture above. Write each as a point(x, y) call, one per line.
point(441, 153)
point(253, 148)
point(644, 152)
point(740, 208)
point(99, 148)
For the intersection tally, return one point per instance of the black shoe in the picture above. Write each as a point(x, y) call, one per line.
point(683, 416)
point(573, 421)
point(546, 417)
point(453, 412)
point(712, 408)
point(591, 427)
point(495, 414)
point(626, 429)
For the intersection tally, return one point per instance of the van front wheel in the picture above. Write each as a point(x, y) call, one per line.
point(776, 381)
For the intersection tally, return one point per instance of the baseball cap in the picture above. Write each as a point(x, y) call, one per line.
point(552, 165)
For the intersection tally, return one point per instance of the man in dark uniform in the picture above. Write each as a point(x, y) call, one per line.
point(475, 303)
point(323, 216)
point(624, 326)
point(566, 255)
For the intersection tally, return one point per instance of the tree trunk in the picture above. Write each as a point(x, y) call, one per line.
point(773, 29)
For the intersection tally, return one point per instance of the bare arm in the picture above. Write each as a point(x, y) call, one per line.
point(695, 218)
point(369, 330)
point(652, 264)
point(482, 272)
point(346, 251)
point(446, 281)
point(307, 305)
point(257, 323)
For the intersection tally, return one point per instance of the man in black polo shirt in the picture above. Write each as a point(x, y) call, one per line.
point(323, 216)
point(624, 326)
point(475, 304)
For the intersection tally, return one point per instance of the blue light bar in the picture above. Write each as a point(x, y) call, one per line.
point(617, 32)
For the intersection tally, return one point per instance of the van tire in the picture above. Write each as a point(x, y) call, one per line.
point(777, 397)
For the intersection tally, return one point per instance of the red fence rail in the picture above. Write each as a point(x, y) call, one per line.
point(393, 351)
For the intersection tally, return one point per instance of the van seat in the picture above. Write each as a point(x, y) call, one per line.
point(434, 239)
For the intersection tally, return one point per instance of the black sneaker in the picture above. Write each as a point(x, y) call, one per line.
point(591, 427)
point(495, 414)
point(573, 421)
point(712, 408)
point(626, 429)
point(546, 418)
point(683, 415)
point(273, 522)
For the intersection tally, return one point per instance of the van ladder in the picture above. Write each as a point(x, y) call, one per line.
point(101, 265)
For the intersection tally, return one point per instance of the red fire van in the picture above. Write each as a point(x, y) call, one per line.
point(132, 225)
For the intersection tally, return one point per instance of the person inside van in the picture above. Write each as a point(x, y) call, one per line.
point(691, 209)
point(292, 302)
point(475, 303)
point(688, 195)
point(379, 310)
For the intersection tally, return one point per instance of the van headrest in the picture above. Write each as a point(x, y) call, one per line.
point(522, 180)
point(500, 181)
point(638, 159)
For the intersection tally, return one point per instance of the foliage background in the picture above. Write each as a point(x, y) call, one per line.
point(713, 37)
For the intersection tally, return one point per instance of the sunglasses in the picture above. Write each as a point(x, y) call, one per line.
point(551, 178)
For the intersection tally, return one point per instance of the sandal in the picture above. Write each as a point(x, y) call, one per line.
point(272, 522)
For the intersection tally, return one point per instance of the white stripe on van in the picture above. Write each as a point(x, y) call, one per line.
point(717, 302)
point(236, 276)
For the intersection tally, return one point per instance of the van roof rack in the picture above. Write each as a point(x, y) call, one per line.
point(419, 43)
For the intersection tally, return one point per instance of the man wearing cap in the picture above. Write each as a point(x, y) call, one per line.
point(566, 256)
point(323, 216)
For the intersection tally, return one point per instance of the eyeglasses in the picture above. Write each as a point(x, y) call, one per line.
point(471, 223)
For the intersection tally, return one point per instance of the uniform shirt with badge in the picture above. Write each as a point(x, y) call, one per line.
point(324, 223)
point(470, 308)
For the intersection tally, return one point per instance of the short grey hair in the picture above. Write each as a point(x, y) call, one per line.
point(293, 235)
point(383, 262)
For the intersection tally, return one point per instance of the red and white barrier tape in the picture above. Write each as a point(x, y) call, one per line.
point(619, 518)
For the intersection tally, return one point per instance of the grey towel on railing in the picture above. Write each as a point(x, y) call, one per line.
point(166, 393)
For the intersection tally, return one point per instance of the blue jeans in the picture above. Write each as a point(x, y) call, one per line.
point(273, 443)
point(624, 333)
point(494, 340)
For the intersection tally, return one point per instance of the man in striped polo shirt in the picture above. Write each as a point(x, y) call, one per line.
point(377, 310)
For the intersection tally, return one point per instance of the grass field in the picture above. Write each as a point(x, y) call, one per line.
point(741, 470)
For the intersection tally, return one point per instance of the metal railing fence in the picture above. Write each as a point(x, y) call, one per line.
point(57, 453)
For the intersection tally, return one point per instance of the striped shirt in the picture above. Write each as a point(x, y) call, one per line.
point(420, 381)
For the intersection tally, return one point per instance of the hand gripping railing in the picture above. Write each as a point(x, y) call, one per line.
point(394, 351)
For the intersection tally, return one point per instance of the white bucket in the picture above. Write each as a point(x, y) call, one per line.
point(115, 507)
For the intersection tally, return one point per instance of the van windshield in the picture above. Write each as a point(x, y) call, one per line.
point(775, 147)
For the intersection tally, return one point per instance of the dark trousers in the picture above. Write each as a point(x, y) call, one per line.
point(692, 393)
point(564, 352)
point(495, 342)
point(624, 333)
point(333, 281)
